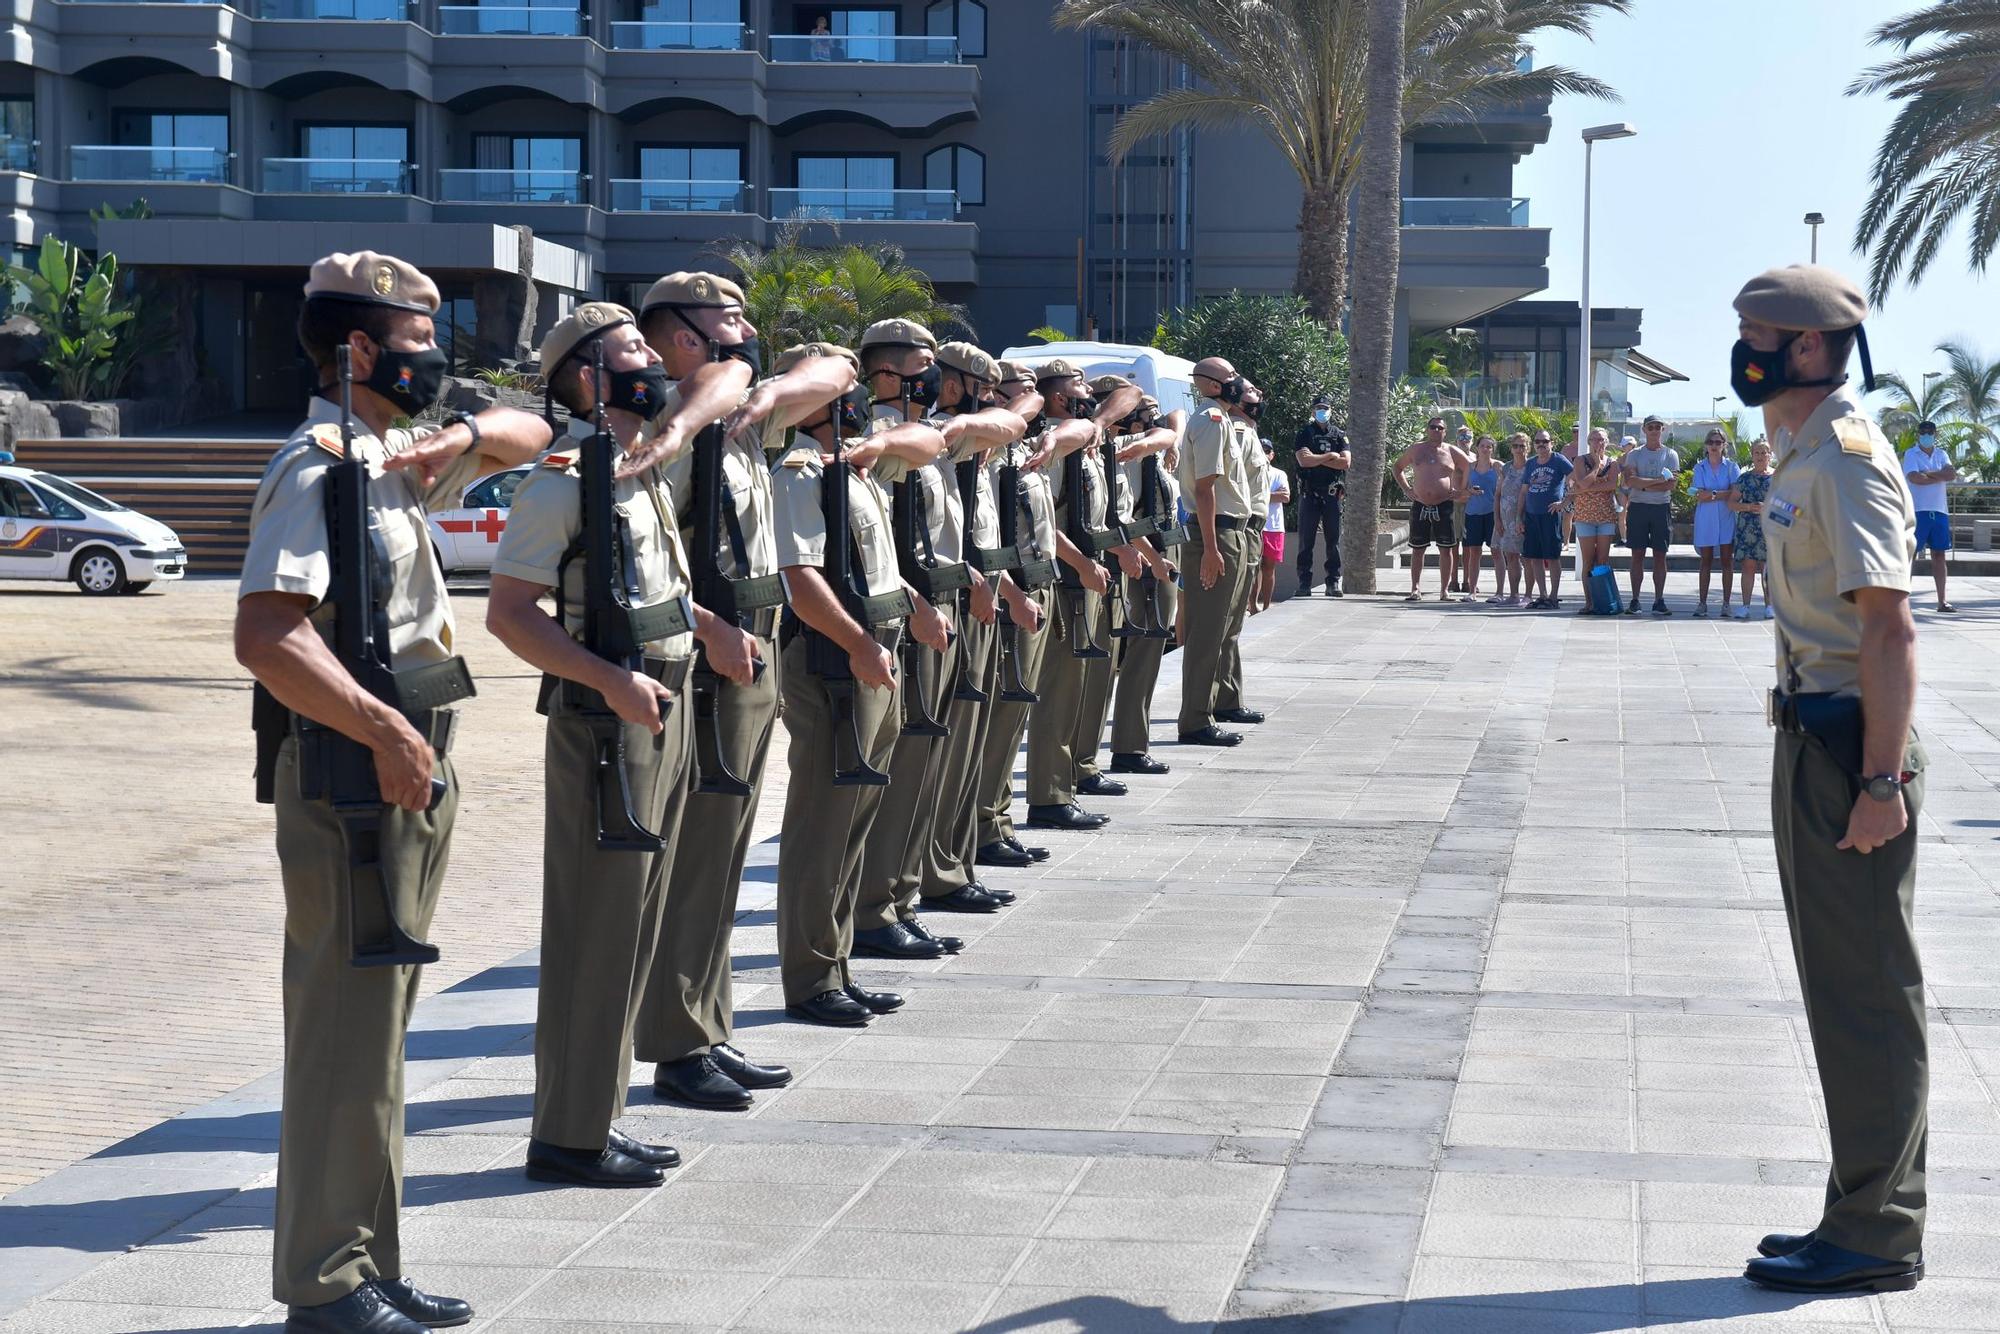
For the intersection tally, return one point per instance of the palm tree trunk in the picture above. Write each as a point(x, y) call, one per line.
point(1377, 257)
point(1322, 275)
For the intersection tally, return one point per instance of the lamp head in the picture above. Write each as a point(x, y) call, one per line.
point(1620, 130)
point(1815, 219)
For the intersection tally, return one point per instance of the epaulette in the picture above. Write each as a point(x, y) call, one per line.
point(1213, 414)
point(798, 456)
point(1858, 435)
point(327, 436)
point(558, 460)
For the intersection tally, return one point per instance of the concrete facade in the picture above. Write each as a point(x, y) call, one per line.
point(636, 136)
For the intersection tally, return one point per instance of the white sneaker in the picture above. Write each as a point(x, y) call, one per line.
point(1767, 611)
point(1741, 613)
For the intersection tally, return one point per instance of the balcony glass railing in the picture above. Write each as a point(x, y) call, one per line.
point(867, 50)
point(485, 186)
point(679, 36)
point(632, 196)
point(336, 176)
point(866, 205)
point(509, 20)
point(1464, 212)
point(17, 154)
point(109, 162)
point(373, 11)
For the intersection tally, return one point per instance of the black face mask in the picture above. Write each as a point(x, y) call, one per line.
point(1758, 377)
point(642, 392)
point(749, 352)
point(921, 389)
point(1082, 408)
point(410, 380)
point(848, 414)
point(1254, 409)
point(1234, 388)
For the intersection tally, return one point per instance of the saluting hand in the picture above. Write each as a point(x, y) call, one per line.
point(753, 409)
point(640, 700)
point(650, 453)
point(429, 455)
point(1873, 823)
point(403, 765)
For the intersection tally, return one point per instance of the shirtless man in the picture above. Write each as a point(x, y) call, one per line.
point(1432, 474)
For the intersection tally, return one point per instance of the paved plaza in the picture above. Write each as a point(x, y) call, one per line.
point(1458, 998)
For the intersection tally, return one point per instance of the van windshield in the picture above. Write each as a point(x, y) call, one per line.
point(83, 496)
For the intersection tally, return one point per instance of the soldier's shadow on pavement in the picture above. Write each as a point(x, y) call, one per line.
point(1683, 1301)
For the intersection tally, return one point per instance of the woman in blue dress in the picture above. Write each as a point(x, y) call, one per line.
point(1753, 488)
point(1713, 487)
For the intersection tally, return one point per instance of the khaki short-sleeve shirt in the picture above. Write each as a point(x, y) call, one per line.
point(1839, 517)
point(1256, 468)
point(746, 489)
point(546, 522)
point(797, 479)
point(288, 536)
point(1036, 494)
point(1212, 449)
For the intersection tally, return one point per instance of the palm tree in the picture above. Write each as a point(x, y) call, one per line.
point(1378, 201)
point(1293, 68)
point(1939, 160)
point(877, 284)
point(1906, 407)
point(1971, 393)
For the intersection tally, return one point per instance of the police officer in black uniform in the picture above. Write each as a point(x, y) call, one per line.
point(1320, 449)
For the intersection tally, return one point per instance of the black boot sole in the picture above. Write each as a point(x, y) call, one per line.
point(1882, 1283)
point(555, 1176)
point(705, 1104)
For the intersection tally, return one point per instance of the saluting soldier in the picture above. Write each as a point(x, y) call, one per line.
point(696, 324)
point(1244, 416)
point(886, 924)
point(336, 1260)
point(601, 907)
point(980, 437)
point(1035, 534)
point(839, 682)
point(1847, 776)
point(1213, 478)
point(1139, 658)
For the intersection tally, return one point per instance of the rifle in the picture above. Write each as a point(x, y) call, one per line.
point(732, 599)
point(1169, 531)
point(332, 765)
point(988, 561)
point(1031, 572)
point(936, 581)
point(1125, 623)
point(615, 630)
point(826, 659)
point(1091, 542)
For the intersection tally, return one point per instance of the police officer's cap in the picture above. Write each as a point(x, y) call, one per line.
point(897, 333)
point(793, 357)
point(1803, 296)
point(367, 278)
point(1056, 370)
point(1322, 401)
point(1927, 426)
point(969, 360)
point(684, 290)
point(572, 337)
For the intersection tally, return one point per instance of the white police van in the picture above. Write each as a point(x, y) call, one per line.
point(468, 536)
point(51, 528)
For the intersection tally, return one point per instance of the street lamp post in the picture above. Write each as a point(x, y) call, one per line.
point(1619, 130)
point(1813, 220)
point(1715, 406)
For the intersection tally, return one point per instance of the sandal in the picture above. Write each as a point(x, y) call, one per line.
point(1414, 596)
point(1947, 608)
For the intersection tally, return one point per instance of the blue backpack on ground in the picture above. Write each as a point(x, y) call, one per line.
point(1604, 599)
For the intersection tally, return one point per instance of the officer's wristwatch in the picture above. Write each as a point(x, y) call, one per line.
point(1883, 787)
point(468, 421)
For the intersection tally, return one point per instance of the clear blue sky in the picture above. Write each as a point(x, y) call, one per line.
point(1744, 128)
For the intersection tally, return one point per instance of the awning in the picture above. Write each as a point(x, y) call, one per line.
point(1643, 368)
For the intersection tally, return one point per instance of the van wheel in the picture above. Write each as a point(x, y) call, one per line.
point(99, 572)
point(134, 589)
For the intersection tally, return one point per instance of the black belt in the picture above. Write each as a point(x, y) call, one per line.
point(669, 672)
point(888, 636)
point(1834, 719)
point(438, 727)
point(1227, 522)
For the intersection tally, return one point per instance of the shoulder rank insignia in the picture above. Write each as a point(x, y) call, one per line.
point(327, 436)
point(1213, 414)
point(1857, 435)
point(558, 460)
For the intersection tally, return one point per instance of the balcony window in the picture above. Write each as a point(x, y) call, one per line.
point(1499, 212)
point(371, 11)
point(683, 25)
point(858, 189)
point(518, 169)
point(158, 146)
point(17, 135)
point(537, 18)
point(682, 179)
point(867, 36)
point(344, 159)
point(959, 170)
point(962, 19)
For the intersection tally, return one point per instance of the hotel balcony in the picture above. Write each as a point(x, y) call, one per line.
point(336, 176)
point(679, 37)
point(819, 205)
point(510, 20)
point(865, 50)
point(18, 154)
point(359, 11)
point(479, 185)
point(118, 162)
point(1464, 257)
point(639, 196)
point(1464, 212)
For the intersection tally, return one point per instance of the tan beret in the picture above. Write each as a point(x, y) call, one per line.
point(692, 289)
point(792, 356)
point(1105, 384)
point(897, 333)
point(370, 279)
point(1056, 370)
point(573, 336)
point(966, 358)
point(1802, 296)
point(1012, 372)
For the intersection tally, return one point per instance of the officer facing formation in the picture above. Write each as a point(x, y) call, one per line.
point(1847, 774)
point(1215, 486)
point(332, 744)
